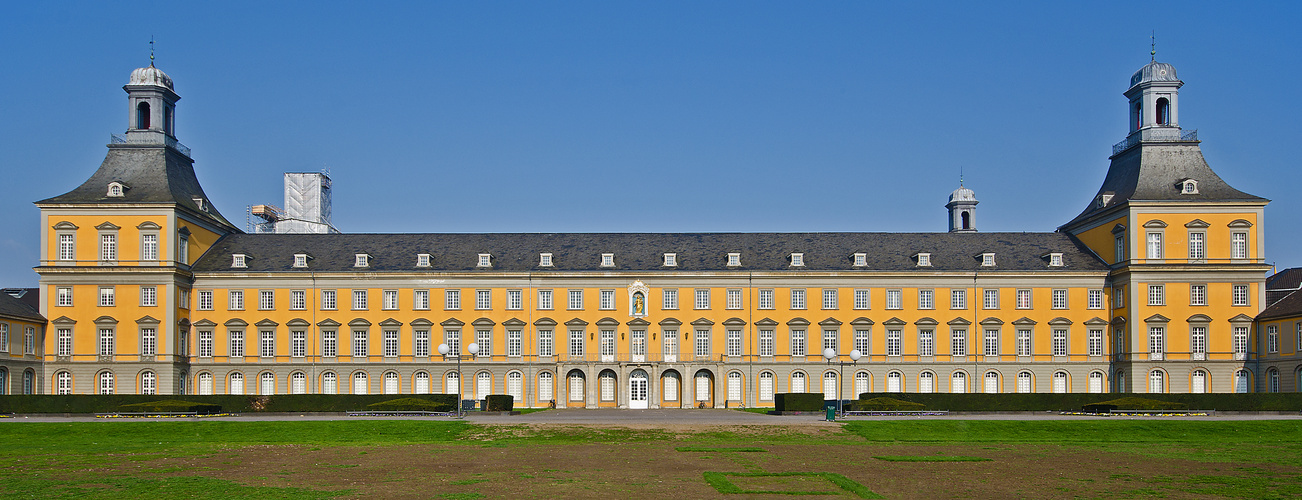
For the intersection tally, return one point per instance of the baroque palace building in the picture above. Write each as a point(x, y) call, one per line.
point(1154, 287)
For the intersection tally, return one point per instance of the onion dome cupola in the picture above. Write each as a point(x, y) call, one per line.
point(962, 210)
point(153, 103)
point(1154, 98)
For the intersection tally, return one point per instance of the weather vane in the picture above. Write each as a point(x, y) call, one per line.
point(960, 176)
point(1152, 40)
point(151, 50)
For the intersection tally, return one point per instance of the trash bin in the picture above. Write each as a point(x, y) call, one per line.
point(831, 413)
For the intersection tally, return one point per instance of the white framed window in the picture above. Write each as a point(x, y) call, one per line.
point(894, 382)
point(1119, 249)
point(266, 300)
point(766, 343)
point(670, 343)
point(1059, 298)
point(830, 299)
point(329, 343)
point(106, 341)
point(860, 259)
point(863, 340)
point(329, 300)
point(515, 300)
point(576, 343)
point(107, 296)
point(1238, 245)
point(991, 344)
point(149, 247)
point(545, 386)
point(990, 298)
point(236, 339)
point(1198, 295)
point(703, 349)
point(798, 382)
point(671, 259)
point(544, 300)
point(1240, 295)
point(359, 344)
point(183, 249)
point(893, 342)
point(1156, 295)
point(451, 299)
point(298, 300)
point(1119, 296)
point(988, 259)
point(1272, 339)
point(1060, 382)
point(1023, 298)
point(485, 260)
point(268, 344)
point(957, 298)
point(238, 260)
point(362, 260)
point(148, 341)
point(894, 299)
point(797, 298)
point(1095, 342)
point(732, 346)
point(546, 345)
point(484, 337)
point(830, 386)
point(359, 300)
point(483, 300)
point(1197, 248)
point(797, 342)
point(831, 340)
point(766, 386)
point(607, 260)
point(148, 296)
point(420, 343)
point(1154, 245)
point(669, 298)
point(734, 259)
point(1198, 341)
point(958, 342)
point(544, 260)
point(1094, 299)
point(390, 346)
point(926, 298)
point(576, 300)
point(1059, 342)
point(797, 260)
point(420, 300)
point(64, 345)
point(514, 341)
point(1156, 381)
point(423, 260)
point(733, 298)
point(766, 298)
point(108, 247)
point(958, 383)
point(926, 382)
point(1024, 382)
point(1240, 341)
point(924, 260)
point(1024, 342)
point(606, 300)
point(106, 383)
point(67, 246)
point(862, 299)
point(298, 383)
point(389, 299)
point(298, 343)
point(183, 298)
point(1055, 259)
point(300, 260)
point(606, 343)
point(205, 343)
point(702, 296)
point(4, 346)
point(1156, 342)
point(360, 383)
point(927, 342)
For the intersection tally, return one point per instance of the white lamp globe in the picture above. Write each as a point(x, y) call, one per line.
point(855, 355)
point(443, 349)
point(473, 348)
point(829, 353)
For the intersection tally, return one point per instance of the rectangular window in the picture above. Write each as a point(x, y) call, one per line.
point(991, 344)
point(894, 299)
point(106, 296)
point(546, 347)
point(1156, 295)
point(926, 342)
point(1119, 250)
point(797, 298)
point(766, 343)
point(1095, 343)
point(389, 299)
point(958, 298)
point(268, 345)
point(183, 298)
point(149, 247)
point(576, 300)
point(483, 300)
point(359, 300)
point(148, 296)
point(1196, 248)
point(1059, 342)
point(1238, 245)
point(830, 341)
point(148, 342)
point(863, 340)
point(328, 300)
point(183, 249)
point(893, 342)
point(1023, 298)
point(733, 298)
point(298, 300)
point(205, 300)
point(830, 299)
point(1240, 341)
point(576, 343)
point(298, 343)
point(329, 344)
point(420, 300)
point(1272, 339)
point(108, 247)
point(390, 343)
point(670, 343)
point(670, 298)
point(1095, 299)
point(1023, 342)
point(958, 342)
point(485, 340)
point(797, 342)
point(420, 343)
point(606, 300)
point(236, 338)
point(266, 300)
point(105, 341)
point(1156, 342)
point(766, 298)
point(205, 344)
point(544, 300)
point(451, 299)
point(990, 298)
point(1119, 296)
point(1059, 299)
point(1154, 245)
point(64, 347)
point(513, 343)
point(702, 338)
point(926, 298)
point(1198, 341)
point(66, 247)
point(359, 344)
point(861, 299)
point(1197, 295)
point(515, 300)
point(1240, 295)
point(733, 345)
point(1298, 337)
point(702, 298)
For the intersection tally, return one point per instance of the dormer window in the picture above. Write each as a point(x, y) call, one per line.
point(1104, 199)
point(116, 189)
point(239, 260)
point(300, 260)
point(988, 259)
point(734, 259)
point(860, 259)
point(1188, 186)
point(924, 259)
point(485, 260)
point(607, 260)
point(544, 260)
point(1055, 259)
point(362, 260)
point(199, 202)
point(422, 260)
point(797, 259)
point(671, 260)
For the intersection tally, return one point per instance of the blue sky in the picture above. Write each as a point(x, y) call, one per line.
point(649, 116)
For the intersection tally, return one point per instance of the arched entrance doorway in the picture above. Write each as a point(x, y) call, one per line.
point(637, 390)
point(703, 393)
point(671, 389)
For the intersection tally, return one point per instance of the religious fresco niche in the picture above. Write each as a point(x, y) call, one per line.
point(637, 299)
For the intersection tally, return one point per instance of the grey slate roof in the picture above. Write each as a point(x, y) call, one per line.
point(1282, 283)
point(152, 174)
point(1151, 172)
point(645, 251)
point(1289, 305)
point(13, 307)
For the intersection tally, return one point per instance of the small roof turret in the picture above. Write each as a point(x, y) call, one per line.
point(151, 76)
point(962, 194)
point(1154, 72)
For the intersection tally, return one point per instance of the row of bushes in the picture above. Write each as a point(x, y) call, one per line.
point(1075, 402)
point(286, 403)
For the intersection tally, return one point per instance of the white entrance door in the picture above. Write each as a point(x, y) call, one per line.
point(637, 390)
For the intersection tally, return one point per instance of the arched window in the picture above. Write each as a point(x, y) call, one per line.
point(798, 382)
point(4, 381)
point(1024, 383)
point(298, 383)
point(576, 386)
point(515, 386)
point(1272, 379)
point(1198, 382)
point(452, 383)
point(421, 383)
point(29, 381)
point(607, 380)
point(205, 384)
point(958, 383)
point(766, 386)
point(671, 383)
point(148, 383)
point(894, 382)
point(142, 116)
point(63, 383)
point(1156, 381)
point(734, 386)
point(329, 383)
point(927, 382)
point(1096, 382)
point(1163, 111)
point(862, 384)
point(360, 384)
point(483, 385)
point(830, 391)
point(1242, 381)
point(992, 383)
point(545, 386)
point(169, 120)
point(1059, 382)
point(267, 384)
point(391, 383)
point(236, 383)
point(106, 383)
point(967, 219)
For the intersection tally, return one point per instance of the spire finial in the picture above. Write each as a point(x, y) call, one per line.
point(1152, 40)
point(151, 51)
point(960, 176)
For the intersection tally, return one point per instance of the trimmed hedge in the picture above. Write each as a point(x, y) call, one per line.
point(171, 406)
point(417, 404)
point(499, 402)
point(798, 401)
point(885, 404)
point(284, 403)
point(1077, 401)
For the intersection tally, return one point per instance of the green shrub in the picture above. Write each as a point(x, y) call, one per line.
point(411, 404)
point(886, 404)
point(499, 402)
point(1137, 403)
point(798, 401)
point(170, 406)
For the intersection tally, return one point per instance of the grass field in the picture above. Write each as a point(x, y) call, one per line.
point(459, 460)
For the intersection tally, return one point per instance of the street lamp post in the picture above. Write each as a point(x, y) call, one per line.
point(444, 349)
point(831, 354)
